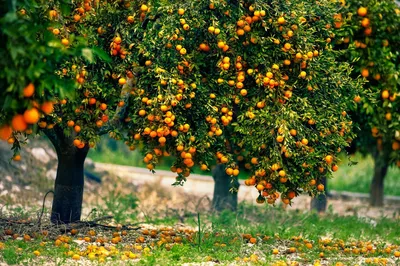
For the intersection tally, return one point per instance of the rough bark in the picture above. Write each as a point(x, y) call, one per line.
point(225, 190)
point(377, 185)
point(69, 183)
point(320, 202)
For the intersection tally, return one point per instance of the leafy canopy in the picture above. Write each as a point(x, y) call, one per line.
point(250, 84)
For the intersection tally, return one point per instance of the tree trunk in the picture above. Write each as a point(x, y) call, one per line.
point(224, 198)
point(319, 203)
point(377, 185)
point(69, 183)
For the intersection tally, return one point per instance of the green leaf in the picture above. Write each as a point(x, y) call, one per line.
point(101, 54)
point(88, 54)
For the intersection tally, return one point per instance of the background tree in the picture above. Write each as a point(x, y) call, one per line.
point(254, 81)
point(369, 31)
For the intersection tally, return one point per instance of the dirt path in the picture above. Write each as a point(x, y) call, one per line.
point(202, 186)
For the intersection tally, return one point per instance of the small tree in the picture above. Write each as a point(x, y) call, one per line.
point(250, 81)
point(369, 30)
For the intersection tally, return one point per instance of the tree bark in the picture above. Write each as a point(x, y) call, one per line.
point(320, 202)
point(377, 185)
point(69, 183)
point(224, 198)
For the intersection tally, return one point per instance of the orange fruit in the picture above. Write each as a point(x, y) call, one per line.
point(77, 129)
point(385, 94)
point(365, 22)
point(282, 173)
point(52, 13)
point(320, 187)
point(5, 132)
point(121, 81)
point(130, 19)
point(362, 11)
point(29, 90)
point(77, 17)
point(281, 20)
point(291, 194)
point(65, 41)
point(395, 145)
point(92, 101)
point(18, 123)
point(17, 158)
point(117, 40)
point(335, 168)
point(47, 107)
point(103, 106)
point(304, 141)
point(329, 159)
point(31, 116)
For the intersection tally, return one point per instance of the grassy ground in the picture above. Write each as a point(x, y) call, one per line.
point(260, 235)
point(357, 178)
point(354, 178)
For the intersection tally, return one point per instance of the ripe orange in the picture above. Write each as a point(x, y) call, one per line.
point(17, 158)
point(365, 22)
point(287, 46)
point(362, 11)
point(335, 168)
point(240, 32)
point(76, 142)
point(121, 81)
point(18, 123)
point(65, 42)
point(291, 195)
point(77, 129)
point(103, 106)
point(279, 138)
point(31, 116)
point(281, 20)
point(47, 107)
point(385, 94)
point(92, 101)
point(320, 187)
point(52, 13)
point(329, 159)
point(29, 90)
point(5, 132)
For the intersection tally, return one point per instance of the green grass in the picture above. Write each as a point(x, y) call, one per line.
point(356, 178)
point(220, 240)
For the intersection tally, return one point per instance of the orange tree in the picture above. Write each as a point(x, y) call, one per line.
point(369, 30)
point(203, 81)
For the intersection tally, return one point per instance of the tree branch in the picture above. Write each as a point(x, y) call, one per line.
point(120, 112)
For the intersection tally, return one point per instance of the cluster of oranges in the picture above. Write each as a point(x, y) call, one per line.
point(24, 122)
point(116, 48)
point(377, 28)
point(209, 79)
